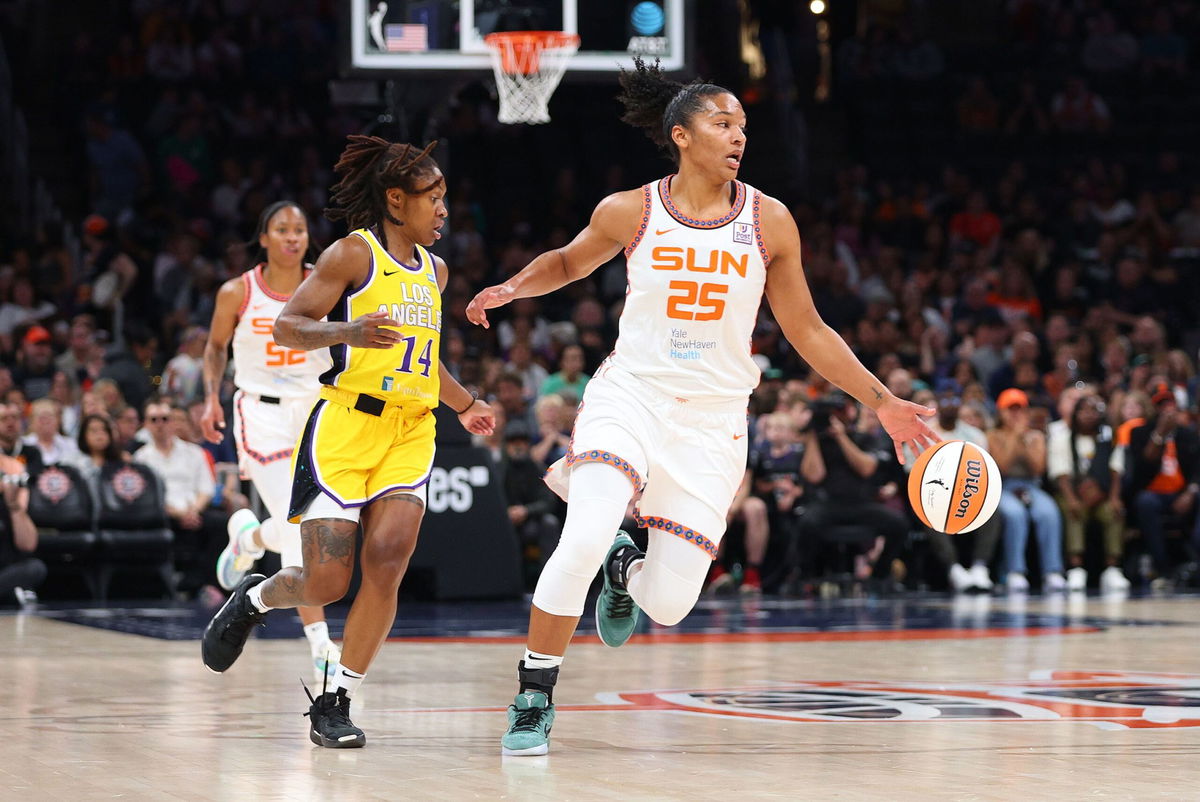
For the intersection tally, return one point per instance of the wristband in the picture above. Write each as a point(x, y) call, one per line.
point(474, 398)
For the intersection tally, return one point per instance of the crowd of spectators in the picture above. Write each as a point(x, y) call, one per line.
point(1016, 257)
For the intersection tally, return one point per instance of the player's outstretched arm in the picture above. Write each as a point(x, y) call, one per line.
point(344, 264)
point(474, 413)
point(613, 225)
point(216, 355)
point(820, 346)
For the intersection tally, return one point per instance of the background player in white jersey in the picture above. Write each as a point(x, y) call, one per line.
point(666, 413)
point(276, 388)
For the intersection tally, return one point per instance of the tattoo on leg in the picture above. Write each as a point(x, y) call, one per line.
point(409, 497)
point(285, 589)
point(323, 540)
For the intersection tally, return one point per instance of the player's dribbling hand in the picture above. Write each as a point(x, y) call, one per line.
point(489, 298)
point(903, 422)
point(479, 418)
point(367, 331)
point(212, 420)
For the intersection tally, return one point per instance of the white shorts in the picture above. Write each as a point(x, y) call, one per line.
point(687, 457)
point(265, 435)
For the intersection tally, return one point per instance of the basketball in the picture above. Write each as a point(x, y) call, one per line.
point(954, 487)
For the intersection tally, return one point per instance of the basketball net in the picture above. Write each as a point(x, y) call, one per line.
point(528, 67)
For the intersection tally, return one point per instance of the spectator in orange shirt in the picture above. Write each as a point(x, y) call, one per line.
point(1163, 458)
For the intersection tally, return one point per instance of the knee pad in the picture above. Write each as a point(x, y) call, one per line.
point(598, 497)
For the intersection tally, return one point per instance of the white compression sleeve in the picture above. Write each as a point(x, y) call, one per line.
point(596, 503)
point(671, 578)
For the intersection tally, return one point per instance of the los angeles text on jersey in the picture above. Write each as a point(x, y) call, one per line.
point(417, 309)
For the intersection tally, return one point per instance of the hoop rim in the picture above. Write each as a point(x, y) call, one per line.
point(540, 40)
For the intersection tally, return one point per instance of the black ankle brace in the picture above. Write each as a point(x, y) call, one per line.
point(618, 568)
point(537, 679)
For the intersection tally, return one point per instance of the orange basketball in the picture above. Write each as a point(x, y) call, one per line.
point(954, 487)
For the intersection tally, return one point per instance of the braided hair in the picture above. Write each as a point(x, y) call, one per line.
point(367, 169)
point(657, 104)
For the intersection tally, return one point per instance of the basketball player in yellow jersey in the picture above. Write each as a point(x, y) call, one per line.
point(369, 441)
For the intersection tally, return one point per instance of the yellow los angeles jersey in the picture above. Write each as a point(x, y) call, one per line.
point(409, 294)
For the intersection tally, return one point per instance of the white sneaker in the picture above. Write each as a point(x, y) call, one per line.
point(1077, 579)
point(325, 658)
point(960, 578)
point(1113, 581)
point(980, 580)
point(1017, 583)
point(1054, 583)
point(236, 560)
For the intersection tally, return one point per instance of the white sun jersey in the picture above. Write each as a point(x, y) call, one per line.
point(260, 365)
point(694, 291)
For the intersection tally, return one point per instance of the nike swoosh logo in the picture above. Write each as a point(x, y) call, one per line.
point(392, 273)
point(256, 307)
point(738, 436)
point(658, 232)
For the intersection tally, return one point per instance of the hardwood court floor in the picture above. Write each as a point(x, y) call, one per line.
point(1003, 699)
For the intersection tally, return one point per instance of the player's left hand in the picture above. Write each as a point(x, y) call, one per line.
point(489, 298)
point(479, 418)
point(903, 422)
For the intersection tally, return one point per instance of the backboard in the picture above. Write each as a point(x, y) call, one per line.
point(447, 35)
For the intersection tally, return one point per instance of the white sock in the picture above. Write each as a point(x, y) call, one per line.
point(255, 596)
point(633, 570)
point(538, 660)
point(317, 634)
point(348, 681)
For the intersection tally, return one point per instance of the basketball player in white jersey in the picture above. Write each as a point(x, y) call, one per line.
point(665, 415)
point(276, 389)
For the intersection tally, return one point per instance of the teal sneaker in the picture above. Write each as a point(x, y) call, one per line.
point(530, 717)
point(616, 613)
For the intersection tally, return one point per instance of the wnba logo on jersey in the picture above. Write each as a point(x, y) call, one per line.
point(718, 261)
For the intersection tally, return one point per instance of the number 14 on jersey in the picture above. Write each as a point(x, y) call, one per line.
point(425, 360)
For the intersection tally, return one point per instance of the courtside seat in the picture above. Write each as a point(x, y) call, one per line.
point(62, 508)
point(132, 525)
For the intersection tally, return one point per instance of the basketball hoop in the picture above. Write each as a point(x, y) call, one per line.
point(528, 67)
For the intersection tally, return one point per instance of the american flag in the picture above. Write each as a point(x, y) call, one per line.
point(406, 37)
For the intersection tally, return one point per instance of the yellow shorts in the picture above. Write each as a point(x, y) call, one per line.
point(356, 457)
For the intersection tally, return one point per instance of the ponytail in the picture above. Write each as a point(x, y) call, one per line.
point(656, 104)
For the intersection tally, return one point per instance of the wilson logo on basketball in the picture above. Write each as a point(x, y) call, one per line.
point(954, 487)
point(974, 470)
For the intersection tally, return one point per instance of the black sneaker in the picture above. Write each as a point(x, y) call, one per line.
point(226, 634)
point(329, 717)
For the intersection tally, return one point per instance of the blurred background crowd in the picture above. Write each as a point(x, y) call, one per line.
point(1003, 221)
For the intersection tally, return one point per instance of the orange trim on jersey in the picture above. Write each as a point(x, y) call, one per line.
point(677, 529)
point(261, 459)
point(608, 458)
point(262, 285)
point(641, 232)
point(664, 192)
point(758, 237)
point(245, 294)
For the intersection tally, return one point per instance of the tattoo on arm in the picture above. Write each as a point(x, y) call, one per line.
point(878, 395)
